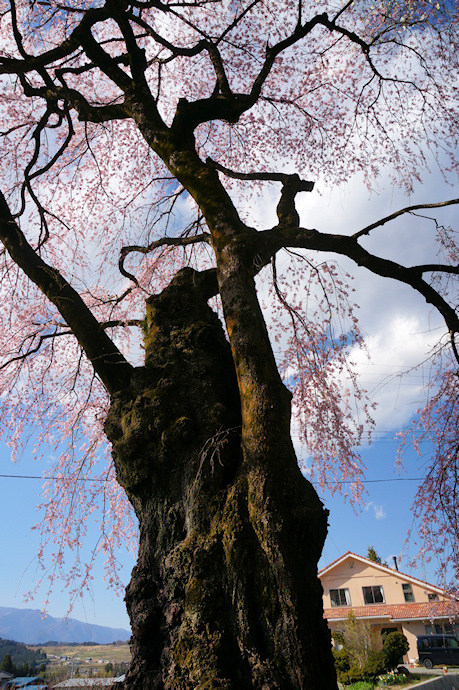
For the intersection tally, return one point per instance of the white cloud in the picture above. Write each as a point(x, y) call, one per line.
point(400, 329)
point(379, 511)
point(396, 346)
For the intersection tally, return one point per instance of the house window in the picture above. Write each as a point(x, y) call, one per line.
point(432, 596)
point(441, 629)
point(373, 594)
point(340, 597)
point(408, 592)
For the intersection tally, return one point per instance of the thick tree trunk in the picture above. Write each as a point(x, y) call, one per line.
point(225, 592)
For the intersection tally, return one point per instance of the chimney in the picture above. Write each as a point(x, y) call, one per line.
point(395, 562)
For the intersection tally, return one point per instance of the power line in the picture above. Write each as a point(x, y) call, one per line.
point(377, 481)
point(28, 476)
point(88, 479)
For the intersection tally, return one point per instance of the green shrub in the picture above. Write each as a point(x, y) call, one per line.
point(341, 660)
point(375, 664)
point(347, 673)
point(342, 666)
point(394, 647)
point(338, 637)
point(362, 659)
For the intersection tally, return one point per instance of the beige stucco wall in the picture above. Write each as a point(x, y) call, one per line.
point(411, 630)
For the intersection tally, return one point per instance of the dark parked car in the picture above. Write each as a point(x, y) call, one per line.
point(442, 650)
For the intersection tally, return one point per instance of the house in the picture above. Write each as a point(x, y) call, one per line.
point(388, 599)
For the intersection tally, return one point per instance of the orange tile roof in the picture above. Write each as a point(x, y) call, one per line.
point(426, 611)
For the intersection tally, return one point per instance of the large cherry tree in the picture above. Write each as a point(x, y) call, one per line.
point(137, 141)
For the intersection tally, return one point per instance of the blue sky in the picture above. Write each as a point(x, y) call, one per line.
point(396, 324)
point(384, 518)
point(19, 546)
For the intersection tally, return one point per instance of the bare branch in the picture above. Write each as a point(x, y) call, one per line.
point(33, 350)
point(291, 186)
point(453, 345)
point(401, 212)
point(175, 50)
point(163, 242)
point(440, 268)
point(116, 323)
point(107, 360)
point(237, 20)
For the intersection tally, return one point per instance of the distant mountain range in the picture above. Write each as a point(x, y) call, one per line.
point(27, 625)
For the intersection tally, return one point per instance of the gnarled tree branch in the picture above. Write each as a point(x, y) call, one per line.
point(107, 360)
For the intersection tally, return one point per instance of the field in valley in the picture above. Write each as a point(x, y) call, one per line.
point(86, 656)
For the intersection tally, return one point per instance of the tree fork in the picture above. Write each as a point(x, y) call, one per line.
point(223, 593)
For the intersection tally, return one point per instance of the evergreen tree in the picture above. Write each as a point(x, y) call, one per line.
point(7, 664)
point(373, 556)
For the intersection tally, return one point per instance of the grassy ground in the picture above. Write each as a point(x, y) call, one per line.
point(94, 657)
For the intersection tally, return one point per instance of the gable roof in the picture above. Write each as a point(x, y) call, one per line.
point(23, 682)
point(384, 568)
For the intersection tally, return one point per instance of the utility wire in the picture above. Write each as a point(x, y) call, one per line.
point(28, 476)
point(87, 479)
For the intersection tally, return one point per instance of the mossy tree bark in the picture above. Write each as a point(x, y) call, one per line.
point(225, 592)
